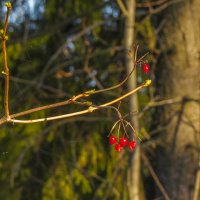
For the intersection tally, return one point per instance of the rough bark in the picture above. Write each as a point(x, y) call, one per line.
point(177, 75)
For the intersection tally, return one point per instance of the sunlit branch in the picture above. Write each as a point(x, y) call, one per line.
point(4, 38)
point(122, 7)
point(63, 103)
point(86, 111)
point(73, 100)
point(7, 118)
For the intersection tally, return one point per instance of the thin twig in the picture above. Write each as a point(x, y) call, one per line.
point(89, 110)
point(155, 177)
point(63, 103)
point(134, 131)
point(127, 77)
point(70, 101)
point(150, 4)
point(6, 69)
point(159, 103)
point(117, 122)
point(60, 49)
point(67, 102)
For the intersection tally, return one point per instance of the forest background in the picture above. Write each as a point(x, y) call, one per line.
point(61, 48)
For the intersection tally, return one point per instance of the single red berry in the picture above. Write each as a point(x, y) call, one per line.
point(132, 145)
point(112, 139)
point(123, 141)
point(118, 147)
point(145, 68)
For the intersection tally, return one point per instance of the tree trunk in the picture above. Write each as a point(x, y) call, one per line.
point(134, 167)
point(177, 75)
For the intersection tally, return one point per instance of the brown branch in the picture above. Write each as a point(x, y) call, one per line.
point(63, 103)
point(159, 103)
point(152, 10)
point(165, 102)
point(4, 38)
point(78, 59)
point(150, 4)
point(74, 98)
point(122, 7)
point(164, 6)
point(127, 77)
point(6, 75)
point(56, 92)
point(89, 110)
point(60, 49)
point(6, 21)
point(155, 177)
point(88, 51)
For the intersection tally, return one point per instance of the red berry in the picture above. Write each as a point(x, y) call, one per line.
point(112, 139)
point(145, 68)
point(118, 147)
point(132, 145)
point(123, 141)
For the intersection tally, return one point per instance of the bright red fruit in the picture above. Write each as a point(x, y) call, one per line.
point(145, 68)
point(132, 145)
point(118, 147)
point(112, 139)
point(123, 141)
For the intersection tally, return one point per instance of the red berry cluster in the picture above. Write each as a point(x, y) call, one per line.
point(123, 141)
point(145, 68)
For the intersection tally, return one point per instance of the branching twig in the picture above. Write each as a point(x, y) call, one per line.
point(63, 103)
point(127, 77)
point(89, 110)
point(7, 118)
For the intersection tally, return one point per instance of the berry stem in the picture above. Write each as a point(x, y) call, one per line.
point(113, 127)
point(119, 127)
point(134, 131)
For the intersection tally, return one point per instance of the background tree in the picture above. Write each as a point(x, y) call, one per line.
point(177, 78)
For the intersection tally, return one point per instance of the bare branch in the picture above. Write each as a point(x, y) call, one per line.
point(7, 118)
point(151, 3)
point(4, 38)
point(122, 7)
point(89, 110)
point(154, 176)
point(127, 77)
point(63, 103)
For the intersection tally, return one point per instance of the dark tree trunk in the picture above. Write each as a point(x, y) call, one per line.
point(178, 75)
